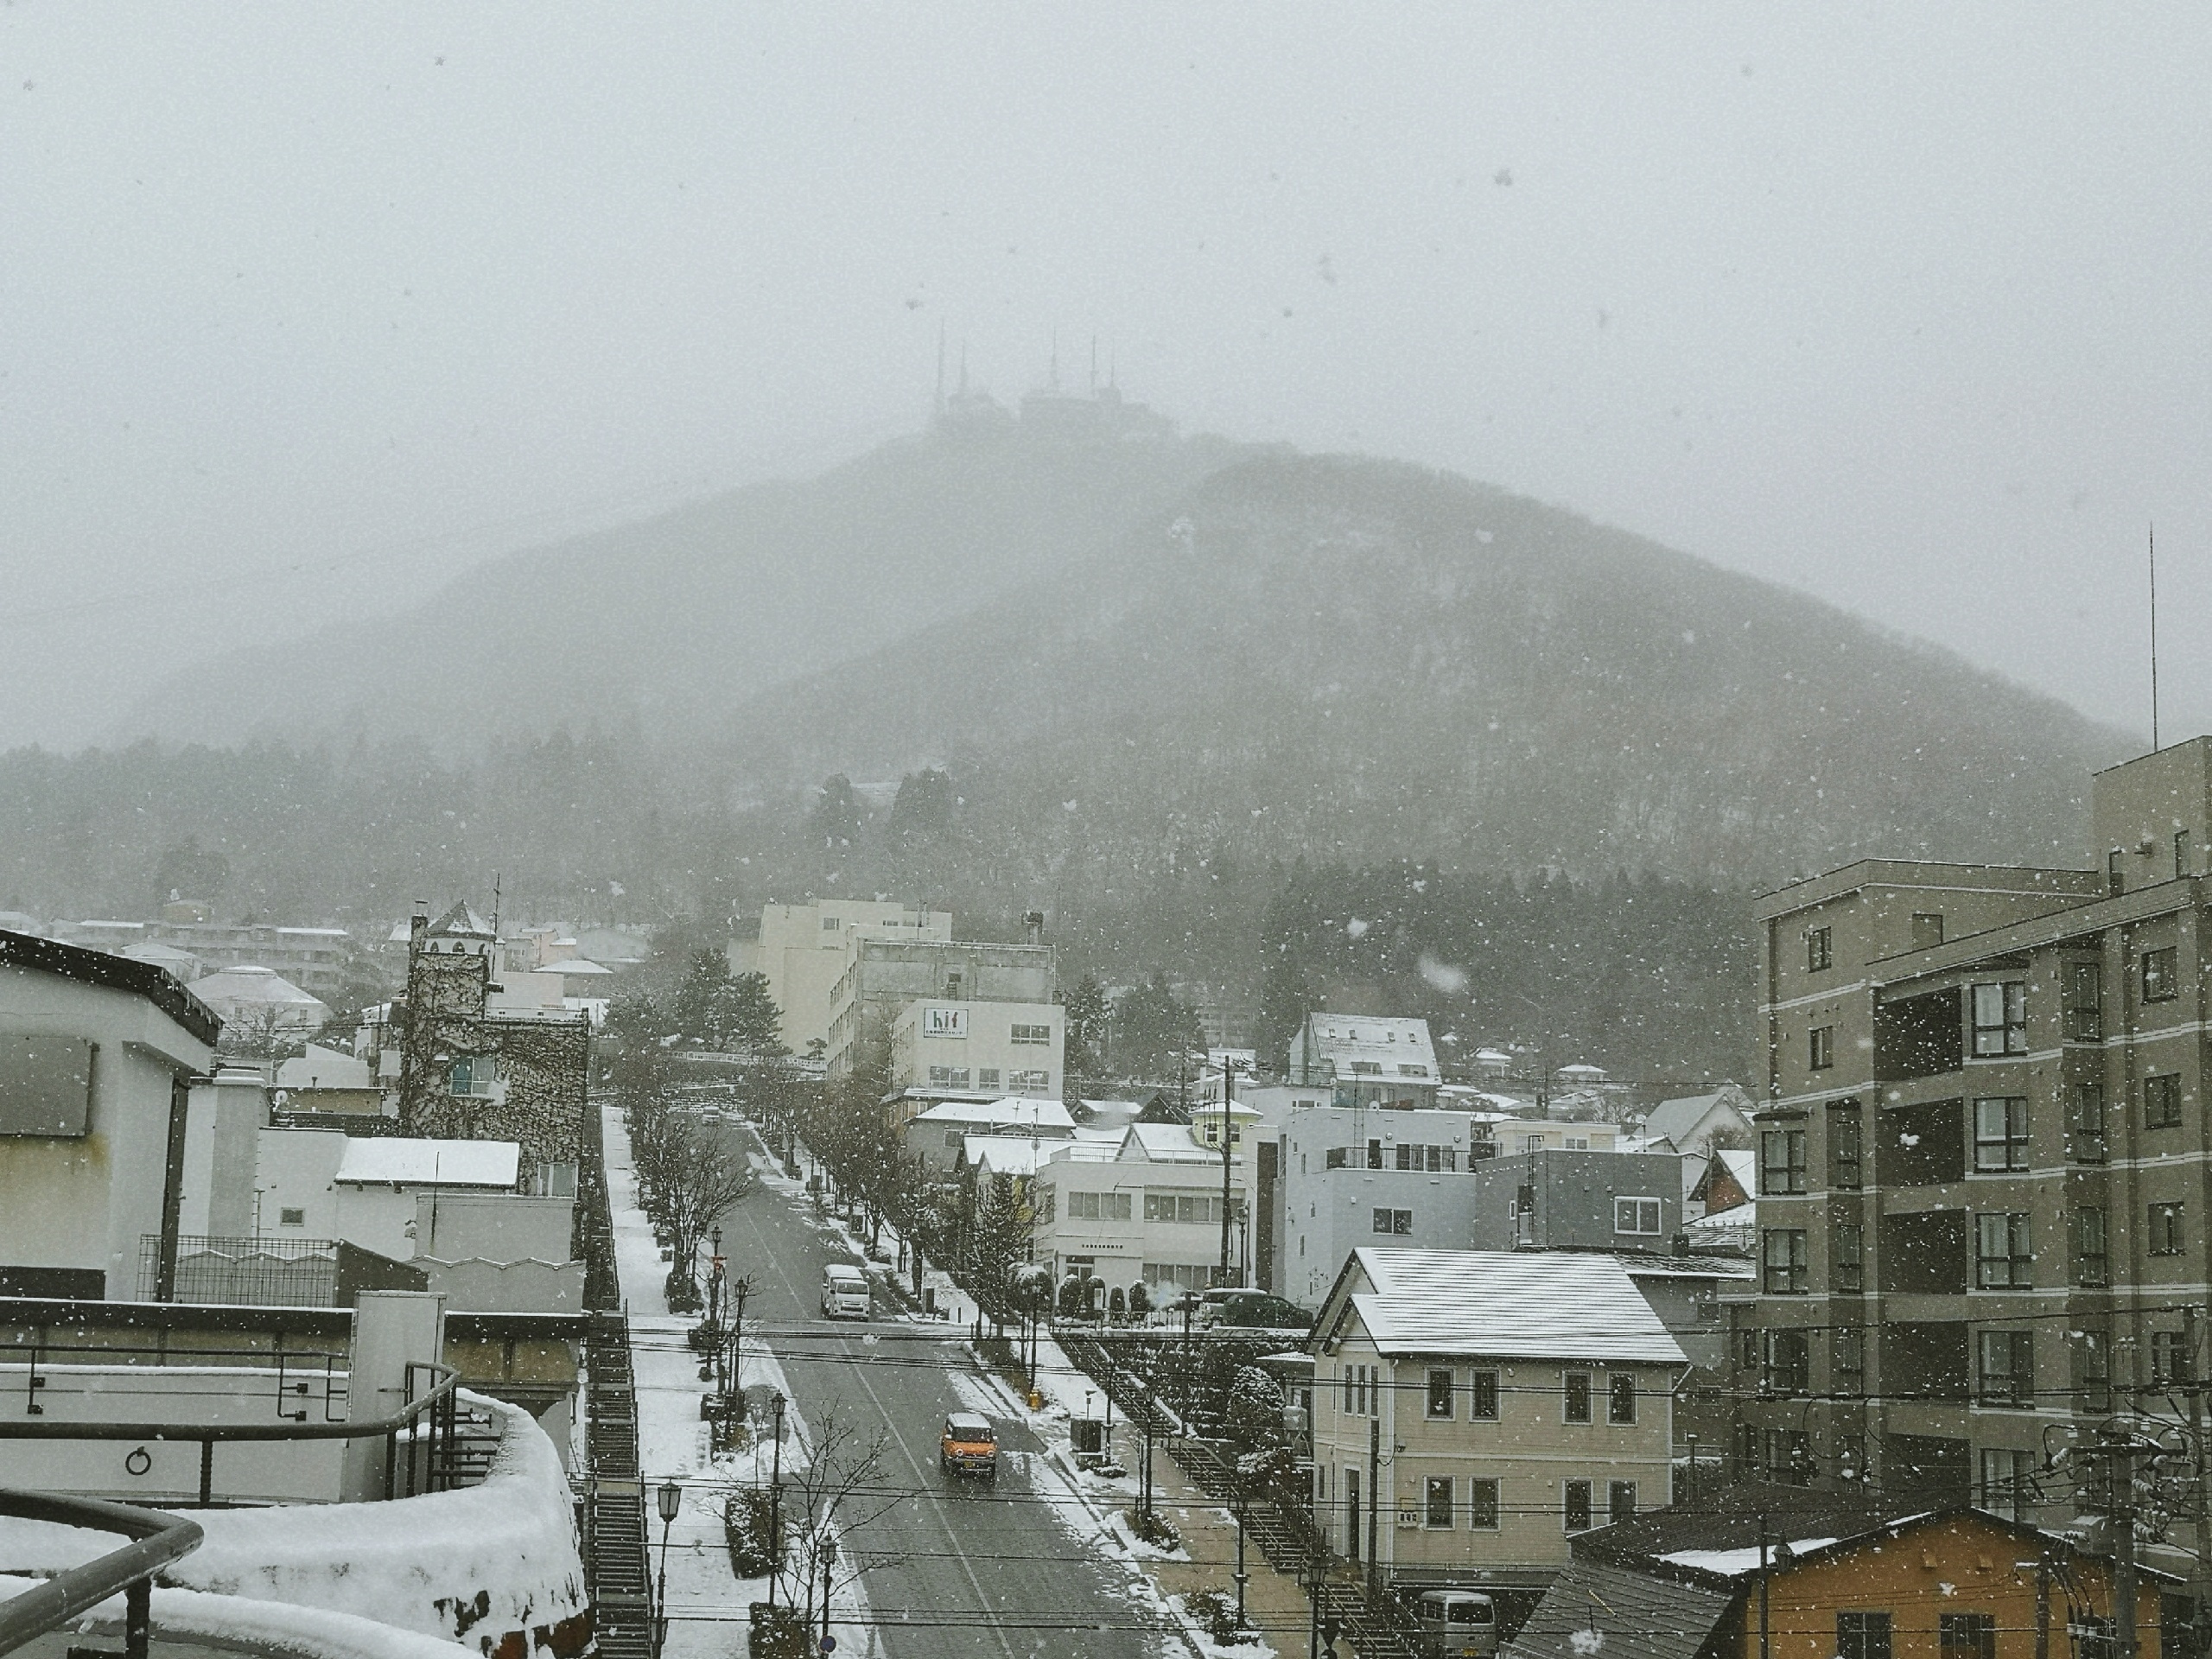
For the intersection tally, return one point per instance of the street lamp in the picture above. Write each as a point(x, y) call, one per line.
point(669, 1499)
point(829, 1562)
point(776, 1504)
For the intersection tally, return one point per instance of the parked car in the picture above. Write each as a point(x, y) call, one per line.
point(969, 1446)
point(1457, 1624)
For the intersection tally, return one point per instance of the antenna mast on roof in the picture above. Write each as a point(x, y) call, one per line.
point(495, 906)
point(2154, 639)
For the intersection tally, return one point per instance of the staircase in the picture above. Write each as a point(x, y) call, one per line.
point(617, 1574)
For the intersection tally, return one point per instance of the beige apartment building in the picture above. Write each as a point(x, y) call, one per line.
point(990, 1048)
point(882, 976)
point(801, 950)
point(1983, 1157)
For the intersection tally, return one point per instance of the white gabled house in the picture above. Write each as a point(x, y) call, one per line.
point(1146, 1209)
point(1475, 1409)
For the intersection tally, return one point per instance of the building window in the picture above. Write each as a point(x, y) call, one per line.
point(1620, 1500)
point(1847, 1257)
point(2092, 1262)
point(1032, 1033)
point(1575, 1406)
point(2085, 997)
point(2008, 1482)
point(2000, 1018)
point(2001, 1133)
point(1397, 1222)
point(986, 1076)
point(1436, 1501)
point(2162, 1103)
point(1966, 1636)
point(1029, 1082)
point(2115, 873)
point(1637, 1216)
point(1098, 1206)
point(2002, 1258)
point(1334, 1158)
point(2087, 1127)
point(1783, 1259)
point(2092, 1371)
point(1862, 1636)
point(1620, 1397)
point(2008, 1368)
point(1849, 1360)
point(2166, 1229)
point(1482, 1398)
point(288, 1217)
point(2170, 1358)
point(1439, 1393)
point(2160, 982)
point(1818, 953)
point(1781, 1162)
point(2180, 853)
point(1820, 1045)
point(1375, 1154)
point(1482, 1504)
point(1789, 1457)
point(1361, 1390)
point(1577, 1506)
point(1788, 1367)
point(1846, 1146)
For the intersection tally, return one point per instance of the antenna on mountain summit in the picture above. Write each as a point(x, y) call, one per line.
point(2154, 639)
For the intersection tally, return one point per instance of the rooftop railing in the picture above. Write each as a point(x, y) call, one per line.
point(156, 1539)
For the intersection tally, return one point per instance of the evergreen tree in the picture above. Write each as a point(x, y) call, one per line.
point(1085, 1024)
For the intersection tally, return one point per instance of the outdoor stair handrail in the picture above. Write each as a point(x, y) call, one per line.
point(156, 1539)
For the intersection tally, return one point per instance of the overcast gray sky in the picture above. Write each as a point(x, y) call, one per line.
point(302, 307)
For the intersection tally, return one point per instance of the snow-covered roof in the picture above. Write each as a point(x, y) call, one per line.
point(323, 1068)
point(246, 985)
point(1011, 1155)
point(1364, 1045)
point(571, 966)
point(461, 922)
point(1502, 1305)
point(1020, 1111)
point(414, 1162)
point(1676, 1121)
point(1166, 1143)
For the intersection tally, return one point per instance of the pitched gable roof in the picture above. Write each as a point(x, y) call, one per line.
point(1498, 1304)
point(1592, 1608)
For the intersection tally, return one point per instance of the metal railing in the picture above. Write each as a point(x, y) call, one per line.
point(155, 1541)
point(427, 1426)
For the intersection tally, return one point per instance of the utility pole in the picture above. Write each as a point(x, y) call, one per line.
point(1374, 1501)
point(2201, 1578)
point(776, 1507)
point(1766, 1634)
point(1227, 1134)
point(2043, 1607)
point(2118, 1451)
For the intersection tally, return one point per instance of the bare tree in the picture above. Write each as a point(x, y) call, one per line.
point(832, 1500)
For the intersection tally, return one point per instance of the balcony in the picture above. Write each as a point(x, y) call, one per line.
point(1924, 1255)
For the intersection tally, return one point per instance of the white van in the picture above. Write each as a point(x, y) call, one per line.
point(844, 1293)
point(1459, 1623)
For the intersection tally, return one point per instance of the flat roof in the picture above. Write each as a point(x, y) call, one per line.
point(149, 980)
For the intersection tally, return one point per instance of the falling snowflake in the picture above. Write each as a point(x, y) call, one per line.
point(1587, 1642)
point(1355, 929)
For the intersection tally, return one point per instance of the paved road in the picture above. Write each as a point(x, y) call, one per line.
point(976, 1570)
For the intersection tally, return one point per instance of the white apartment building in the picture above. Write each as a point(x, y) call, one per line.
point(1477, 1409)
point(996, 1048)
point(801, 950)
point(1351, 1178)
point(1148, 1210)
point(882, 976)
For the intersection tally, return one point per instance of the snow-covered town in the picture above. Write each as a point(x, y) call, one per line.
point(838, 1287)
point(1003, 831)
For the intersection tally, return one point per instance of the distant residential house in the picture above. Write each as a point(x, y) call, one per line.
point(254, 1000)
point(933, 1139)
point(1476, 1409)
point(1687, 1124)
point(97, 1056)
point(1366, 1060)
point(1723, 1181)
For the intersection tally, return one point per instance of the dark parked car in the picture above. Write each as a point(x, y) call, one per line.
point(1256, 1309)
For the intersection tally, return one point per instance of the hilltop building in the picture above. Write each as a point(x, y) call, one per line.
point(1366, 1060)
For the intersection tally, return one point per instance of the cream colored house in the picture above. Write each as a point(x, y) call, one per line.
point(801, 950)
point(1148, 1208)
point(1478, 1409)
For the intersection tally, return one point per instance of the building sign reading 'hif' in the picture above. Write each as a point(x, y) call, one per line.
point(944, 1022)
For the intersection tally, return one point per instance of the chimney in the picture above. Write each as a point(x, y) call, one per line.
point(417, 925)
point(1034, 921)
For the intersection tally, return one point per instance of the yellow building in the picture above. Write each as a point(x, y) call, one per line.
point(801, 950)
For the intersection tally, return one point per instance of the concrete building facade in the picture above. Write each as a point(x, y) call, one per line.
point(1351, 1179)
point(1982, 1163)
point(800, 950)
point(1012, 1048)
point(1558, 1199)
point(882, 976)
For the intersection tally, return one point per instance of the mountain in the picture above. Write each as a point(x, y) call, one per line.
point(658, 627)
point(1343, 659)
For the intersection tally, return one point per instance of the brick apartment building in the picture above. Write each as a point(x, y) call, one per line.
point(1983, 1157)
